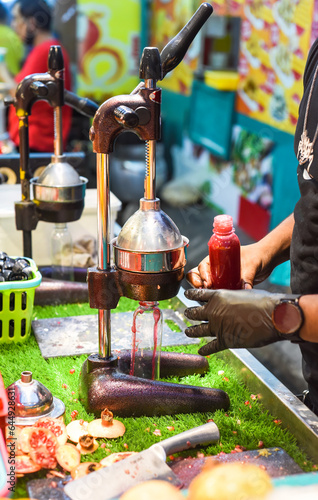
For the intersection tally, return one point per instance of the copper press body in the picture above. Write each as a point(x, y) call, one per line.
point(149, 252)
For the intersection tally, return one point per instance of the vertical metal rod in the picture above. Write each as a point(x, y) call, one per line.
point(103, 223)
point(58, 135)
point(3, 128)
point(27, 243)
point(25, 176)
point(150, 174)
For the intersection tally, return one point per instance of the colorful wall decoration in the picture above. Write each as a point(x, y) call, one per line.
point(314, 24)
point(167, 18)
point(108, 39)
point(275, 39)
point(228, 7)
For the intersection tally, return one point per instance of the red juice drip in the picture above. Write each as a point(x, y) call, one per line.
point(224, 254)
point(134, 341)
point(156, 317)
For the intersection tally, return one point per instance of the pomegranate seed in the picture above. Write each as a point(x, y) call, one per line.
point(74, 414)
point(239, 448)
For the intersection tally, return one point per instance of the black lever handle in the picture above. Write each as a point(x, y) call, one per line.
point(83, 105)
point(173, 53)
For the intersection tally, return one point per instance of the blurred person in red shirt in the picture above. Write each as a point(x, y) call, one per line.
point(32, 20)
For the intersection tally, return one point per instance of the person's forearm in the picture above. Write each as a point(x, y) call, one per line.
point(309, 305)
point(275, 246)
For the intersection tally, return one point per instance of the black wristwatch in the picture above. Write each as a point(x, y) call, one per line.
point(288, 317)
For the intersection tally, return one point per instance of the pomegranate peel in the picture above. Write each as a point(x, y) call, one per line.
point(23, 439)
point(112, 429)
point(84, 469)
point(107, 417)
point(85, 450)
point(68, 456)
point(76, 429)
point(25, 465)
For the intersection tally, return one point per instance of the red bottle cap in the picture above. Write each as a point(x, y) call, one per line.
point(223, 224)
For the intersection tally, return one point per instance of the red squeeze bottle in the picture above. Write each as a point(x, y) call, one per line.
point(225, 254)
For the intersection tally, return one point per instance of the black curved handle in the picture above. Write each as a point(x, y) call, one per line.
point(83, 105)
point(173, 53)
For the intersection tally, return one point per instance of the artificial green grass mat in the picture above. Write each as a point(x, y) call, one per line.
point(246, 423)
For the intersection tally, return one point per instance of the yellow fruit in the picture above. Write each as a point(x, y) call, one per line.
point(231, 481)
point(154, 490)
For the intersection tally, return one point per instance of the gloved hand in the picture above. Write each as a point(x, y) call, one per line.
point(237, 318)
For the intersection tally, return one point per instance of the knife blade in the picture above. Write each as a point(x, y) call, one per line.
point(111, 482)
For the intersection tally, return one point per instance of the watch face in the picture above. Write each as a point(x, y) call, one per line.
point(287, 317)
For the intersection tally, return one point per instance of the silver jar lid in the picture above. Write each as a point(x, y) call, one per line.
point(32, 401)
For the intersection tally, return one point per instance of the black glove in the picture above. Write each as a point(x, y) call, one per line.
point(237, 318)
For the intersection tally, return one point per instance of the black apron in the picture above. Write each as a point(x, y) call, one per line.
point(304, 244)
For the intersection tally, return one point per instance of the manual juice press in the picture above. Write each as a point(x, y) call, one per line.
point(149, 252)
point(59, 191)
